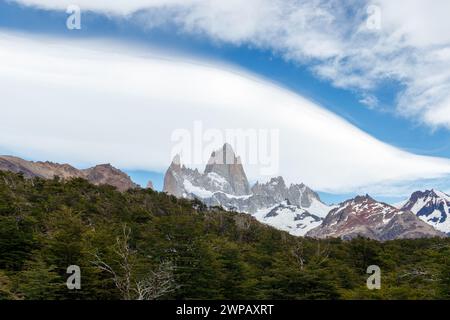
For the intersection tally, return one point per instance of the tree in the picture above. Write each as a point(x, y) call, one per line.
point(444, 279)
point(16, 242)
point(6, 291)
point(131, 285)
point(39, 281)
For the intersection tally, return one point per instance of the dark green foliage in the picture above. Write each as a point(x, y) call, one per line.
point(47, 225)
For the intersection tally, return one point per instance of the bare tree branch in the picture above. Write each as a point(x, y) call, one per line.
point(154, 285)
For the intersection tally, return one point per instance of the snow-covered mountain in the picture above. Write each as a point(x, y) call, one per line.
point(431, 206)
point(366, 217)
point(296, 208)
point(288, 217)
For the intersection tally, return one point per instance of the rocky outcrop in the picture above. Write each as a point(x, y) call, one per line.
point(98, 175)
point(365, 217)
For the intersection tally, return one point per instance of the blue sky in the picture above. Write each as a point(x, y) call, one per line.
point(384, 122)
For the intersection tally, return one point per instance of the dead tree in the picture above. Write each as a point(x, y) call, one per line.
point(157, 284)
point(319, 256)
point(298, 252)
point(153, 285)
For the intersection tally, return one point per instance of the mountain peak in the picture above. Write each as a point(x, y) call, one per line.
point(176, 160)
point(277, 181)
point(107, 166)
point(226, 164)
point(363, 198)
point(109, 175)
point(431, 206)
point(224, 155)
point(365, 217)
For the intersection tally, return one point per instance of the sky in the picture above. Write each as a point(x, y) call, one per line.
point(358, 92)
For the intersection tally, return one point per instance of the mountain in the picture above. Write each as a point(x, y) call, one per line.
point(288, 217)
point(366, 217)
point(431, 206)
point(275, 191)
point(224, 163)
point(98, 175)
point(295, 209)
point(107, 174)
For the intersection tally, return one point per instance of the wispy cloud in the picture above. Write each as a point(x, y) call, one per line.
point(369, 100)
point(90, 101)
point(412, 46)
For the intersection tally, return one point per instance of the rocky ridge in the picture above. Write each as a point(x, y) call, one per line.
point(98, 175)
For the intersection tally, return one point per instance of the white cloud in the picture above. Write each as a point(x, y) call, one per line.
point(87, 102)
point(369, 100)
point(331, 36)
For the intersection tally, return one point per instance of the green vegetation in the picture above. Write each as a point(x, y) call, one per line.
point(147, 245)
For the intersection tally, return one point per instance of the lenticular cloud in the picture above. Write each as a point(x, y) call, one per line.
point(88, 102)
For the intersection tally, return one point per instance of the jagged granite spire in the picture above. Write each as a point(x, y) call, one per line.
point(172, 178)
point(226, 164)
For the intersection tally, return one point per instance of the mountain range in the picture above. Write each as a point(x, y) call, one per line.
point(101, 174)
point(296, 208)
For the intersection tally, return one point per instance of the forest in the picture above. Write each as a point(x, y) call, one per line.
point(146, 245)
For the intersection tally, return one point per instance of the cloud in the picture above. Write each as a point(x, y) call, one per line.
point(92, 101)
point(369, 100)
point(412, 47)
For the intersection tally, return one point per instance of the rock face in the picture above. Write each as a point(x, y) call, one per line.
point(431, 206)
point(225, 183)
point(101, 174)
point(365, 217)
point(224, 164)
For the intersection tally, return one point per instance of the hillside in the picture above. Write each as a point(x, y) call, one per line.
point(47, 225)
